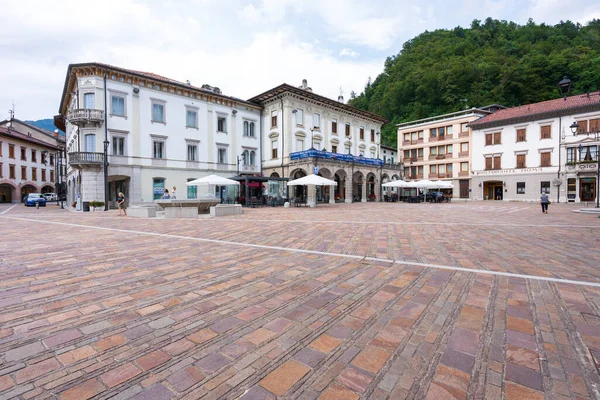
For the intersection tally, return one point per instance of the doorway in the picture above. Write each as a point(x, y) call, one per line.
point(493, 190)
point(587, 189)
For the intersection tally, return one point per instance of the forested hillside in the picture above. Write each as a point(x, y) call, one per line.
point(490, 62)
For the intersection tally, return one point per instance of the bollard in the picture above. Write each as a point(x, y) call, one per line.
point(37, 205)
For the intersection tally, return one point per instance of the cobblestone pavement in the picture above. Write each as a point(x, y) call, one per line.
point(374, 300)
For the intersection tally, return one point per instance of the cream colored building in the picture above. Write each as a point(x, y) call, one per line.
point(440, 148)
point(305, 133)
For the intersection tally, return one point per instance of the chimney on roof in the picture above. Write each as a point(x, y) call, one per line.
point(341, 98)
point(188, 83)
point(304, 83)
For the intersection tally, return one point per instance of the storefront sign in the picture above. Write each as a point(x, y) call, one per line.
point(509, 171)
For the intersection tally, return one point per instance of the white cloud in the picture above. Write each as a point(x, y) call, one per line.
point(345, 52)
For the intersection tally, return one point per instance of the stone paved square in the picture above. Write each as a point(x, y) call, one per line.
point(346, 301)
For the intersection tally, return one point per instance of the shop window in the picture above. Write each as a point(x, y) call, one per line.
point(545, 187)
point(520, 187)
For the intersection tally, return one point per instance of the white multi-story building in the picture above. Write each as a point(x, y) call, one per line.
point(158, 133)
point(28, 160)
point(521, 152)
point(305, 133)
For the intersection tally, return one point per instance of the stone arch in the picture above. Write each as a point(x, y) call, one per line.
point(28, 188)
point(340, 177)
point(274, 175)
point(371, 185)
point(298, 192)
point(357, 186)
point(8, 191)
point(47, 188)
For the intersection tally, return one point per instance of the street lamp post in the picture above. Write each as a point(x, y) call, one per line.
point(596, 134)
point(238, 165)
point(106, 143)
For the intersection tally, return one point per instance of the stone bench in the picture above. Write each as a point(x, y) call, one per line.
point(222, 210)
point(185, 208)
point(142, 211)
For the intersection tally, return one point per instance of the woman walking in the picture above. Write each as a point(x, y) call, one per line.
point(121, 203)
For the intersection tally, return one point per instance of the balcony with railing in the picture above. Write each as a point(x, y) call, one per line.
point(85, 116)
point(582, 166)
point(249, 168)
point(463, 134)
point(83, 158)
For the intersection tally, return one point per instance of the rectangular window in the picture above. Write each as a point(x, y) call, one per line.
point(192, 152)
point(362, 133)
point(544, 159)
point(594, 125)
point(334, 125)
point(299, 144)
point(158, 149)
point(1, 169)
point(406, 153)
point(587, 153)
point(347, 129)
point(583, 127)
point(372, 135)
point(23, 154)
point(333, 148)
point(11, 151)
point(520, 187)
point(191, 119)
point(34, 174)
point(441, 132)
point(316, 121)
point(273, 119)
point(222, 155)
point(489, 163)
point(463, 127)
point(442, 150)
point(51, 176)
point(546, 132)
point(117, 105)
point(464, 167)
point(118, 146)
point(33, 156)
point(433, 169)
point(89, 101)
point(433, 132)
point(521, 161)
point(158, 112)
point(545, 187)
point(407, 137)
point(489, 139)
point(299, 117)
point(192, 191)
point(221, 124)
point(11, 172)
point(24, 173)
point(521, 135)
point(433, 151)
point(0, 148)
point(571, 155)
point(43, 175)
point(497, 164)
point(90, 143)
point(449, 130)
point(497, 138)
point(274, 145)
point(442, 168)
point(51, 159)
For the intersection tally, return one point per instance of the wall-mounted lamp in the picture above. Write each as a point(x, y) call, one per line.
point(234, 112)
point(504, 184)
point(479, 184)
point(294, 111)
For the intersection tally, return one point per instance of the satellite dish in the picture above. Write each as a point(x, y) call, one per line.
point(556, 182)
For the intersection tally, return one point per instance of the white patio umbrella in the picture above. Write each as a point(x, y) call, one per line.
point(213, 180)
point(312, 180)
point(443, 184)
point(425, 184)
point(397, 184)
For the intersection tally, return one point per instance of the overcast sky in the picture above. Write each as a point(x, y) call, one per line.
point(243, 47)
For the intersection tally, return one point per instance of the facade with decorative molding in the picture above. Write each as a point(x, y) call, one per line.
point(521, 152)
point(159, 133)
point(305, 133)
point(28, 157)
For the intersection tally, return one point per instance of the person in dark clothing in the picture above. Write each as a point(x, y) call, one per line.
point(544, 201)
point(121, 203)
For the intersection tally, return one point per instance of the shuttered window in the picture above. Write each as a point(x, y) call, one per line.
point(545, 159)
point(521, 135)
point(488, 163)
point(489, 139)
point(546, 132)
point(497, 137)
point(497, 162)
point(521, 160)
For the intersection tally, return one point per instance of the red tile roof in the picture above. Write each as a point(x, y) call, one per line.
point(22, 136)
point(544, 109)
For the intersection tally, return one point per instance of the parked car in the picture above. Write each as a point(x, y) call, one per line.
point(51, 196)
point(35, 198)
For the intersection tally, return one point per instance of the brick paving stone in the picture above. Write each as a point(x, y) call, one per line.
point(355, 379)
point(523, 376)
point(202, 335)
point(337, 392)
point(83, 391)
point(325, 343)
point(6, 383)
point(308, 356)
point(258, 393)
point(36, 370)
point(23, 352)
point(156, 392)
point(212, 363)
point(371, 358)
point(76, 355)
point(284, 377)
point(109, 342)
point(260, 335)
point(119, 375)
point(518, 392)
point(185, 378)
point(152, 360)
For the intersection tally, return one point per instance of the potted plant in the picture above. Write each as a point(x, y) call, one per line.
point(74, 204)
point(338, 197)
point(371, 197)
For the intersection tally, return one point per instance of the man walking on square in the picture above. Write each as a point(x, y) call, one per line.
point(544, 201)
